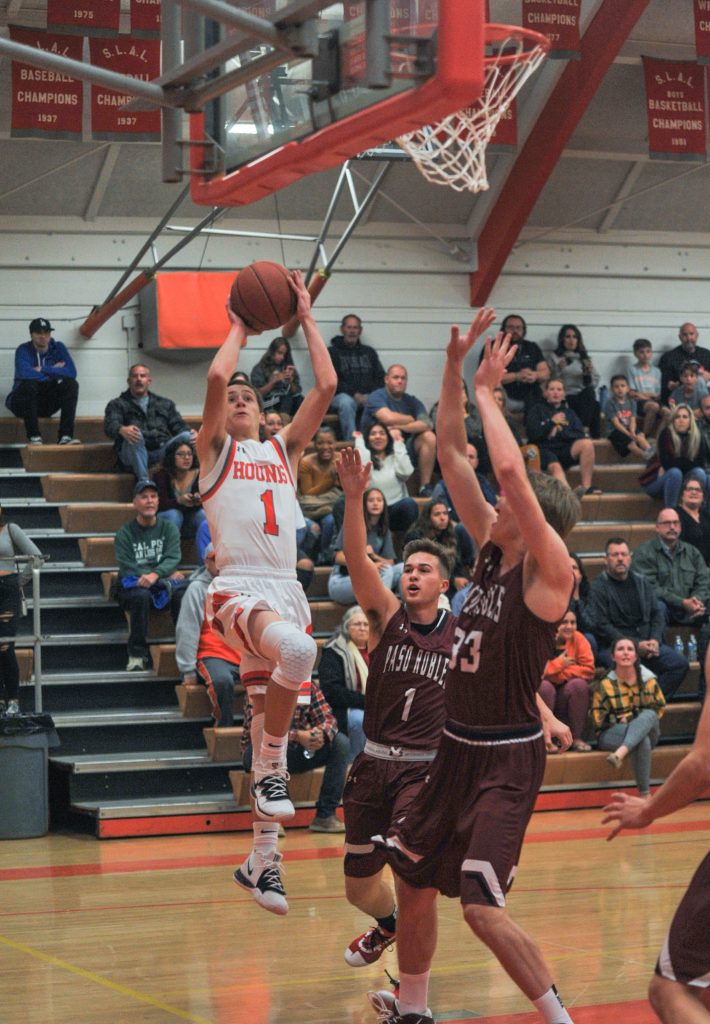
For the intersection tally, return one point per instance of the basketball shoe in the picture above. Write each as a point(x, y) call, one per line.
point(261, 876)
point(368, 947)
point(271, 797)
point(386, 1007)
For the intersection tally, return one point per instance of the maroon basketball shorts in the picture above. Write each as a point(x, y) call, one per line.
point(377, 793)
point(685, 956)
point(464, 832)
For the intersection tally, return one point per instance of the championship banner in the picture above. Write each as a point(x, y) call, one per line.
point(701, 16)
point(138, 59)
point(559, 21)
point(45, 102)
point(353, 64)
point(145, 19)
point(506, 133)
point(675, 102)
point(84, 17)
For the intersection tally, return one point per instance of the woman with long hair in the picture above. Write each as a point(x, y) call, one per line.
point(681, 453)
point(626, 709)
point(435, 523)
point(319, 487)
point(13, 542)
point(572, 364)
point(380, 550)
point(694, 521)
point(178, 496)
point(342, 674)
point(565, 682)
point(384, 447)
point(276, 378)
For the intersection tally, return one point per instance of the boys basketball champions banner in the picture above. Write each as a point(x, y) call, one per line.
point(145, 18)
point(137, 58)
point(675, 102)
point(46, 102)
point(84, 17)
point(701, 12)
point(559, 21)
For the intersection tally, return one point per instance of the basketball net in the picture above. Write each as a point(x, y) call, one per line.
point(452, 152)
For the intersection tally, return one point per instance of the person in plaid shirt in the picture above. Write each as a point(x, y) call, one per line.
point(313, 742)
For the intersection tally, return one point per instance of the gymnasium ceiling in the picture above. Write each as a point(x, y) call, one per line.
point(603, 180)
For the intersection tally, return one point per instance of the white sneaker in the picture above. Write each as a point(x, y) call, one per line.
point(66, 439)
point(135, 665)
point(261, 876)
point(35, 440)
point(13, 708)
point(271, 797)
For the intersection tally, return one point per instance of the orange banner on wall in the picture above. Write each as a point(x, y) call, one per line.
point(675, 103)
point(190, 308)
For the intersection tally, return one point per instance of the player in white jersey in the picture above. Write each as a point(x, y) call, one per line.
point(256, 602)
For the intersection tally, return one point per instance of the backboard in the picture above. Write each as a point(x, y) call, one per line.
point(384, 67)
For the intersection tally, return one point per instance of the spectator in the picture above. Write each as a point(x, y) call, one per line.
point(622, 603)
point(148, 554)
point(627, 709)
point(359, 373)
point(557, 430)
point(179, 498)
point(13, 541)
point(392, 406)
point(620, 415)
point(474, 427)
point(502, 400)
point(527, 369)
point(143, 425)
point(692, 388)
point(276, 379)
point(645, 385)
point(380, 549)
point(434, 523)
point(441, 491)
point(273, 423)
point(342, 675)
point(391, 468)
point(319, 486)
point(531, 452)
point(681, 452)
point(313, 742)
point(572, 364)
point(45, 381)
point(579, 599)
point(565, 682)
point(694, 521)
point(671, 362)
point(676, 571)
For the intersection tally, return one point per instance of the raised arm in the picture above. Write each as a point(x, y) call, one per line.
point(210, 438)
point(315, 405)
point(375, 599)
point(466, 495)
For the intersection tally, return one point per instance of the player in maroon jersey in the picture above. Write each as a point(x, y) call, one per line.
point(462, 835)
point(404, 705)
point(680, 989)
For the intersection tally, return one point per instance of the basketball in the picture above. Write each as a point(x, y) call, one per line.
point(262, 295)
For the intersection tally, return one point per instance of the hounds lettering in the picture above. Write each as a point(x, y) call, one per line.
point(264, 473)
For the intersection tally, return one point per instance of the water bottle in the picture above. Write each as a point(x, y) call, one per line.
point(679, 646)
point(692, 648)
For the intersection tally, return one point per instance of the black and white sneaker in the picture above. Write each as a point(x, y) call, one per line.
point(271, 797)
point(261, 876)
point(387, 1009)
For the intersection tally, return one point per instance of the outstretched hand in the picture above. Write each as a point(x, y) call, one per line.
point(461, 344)
point(354, 477)
point(627, 811)
point(497, 356)
point(298, 285)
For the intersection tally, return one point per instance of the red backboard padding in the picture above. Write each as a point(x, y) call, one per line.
point(191, 308)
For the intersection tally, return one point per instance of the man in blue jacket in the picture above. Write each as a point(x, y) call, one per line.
point(45, 381)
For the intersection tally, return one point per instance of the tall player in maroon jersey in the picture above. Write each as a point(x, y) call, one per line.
point(462, 835)
point(680, 989)
point(404, 705)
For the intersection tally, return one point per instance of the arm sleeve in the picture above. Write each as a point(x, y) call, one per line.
point(24, 369)
point(176, 424)
point(599, 618)
point(403, 467)
point(537, 424)
point(125, 556)
point(331, 678)
point(363, 449)
point(61, 354)
point(113, 419)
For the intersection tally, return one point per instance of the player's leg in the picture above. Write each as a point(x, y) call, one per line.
point(374, 897)
point(674, 1002)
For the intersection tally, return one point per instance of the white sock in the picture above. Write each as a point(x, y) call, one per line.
point(552, 1009)
point(266, 836)
point(256, 736)
point(413, 993)
point(272, 754)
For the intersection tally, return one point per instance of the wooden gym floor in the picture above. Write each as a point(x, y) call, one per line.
point(153, 931)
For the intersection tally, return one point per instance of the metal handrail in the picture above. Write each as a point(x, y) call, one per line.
point(36, 561)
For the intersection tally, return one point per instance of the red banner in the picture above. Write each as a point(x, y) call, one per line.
point(506, 133)
point(45, 102)
point(145, 18)
point(138, 59)
point(559, 21)
point(701, 13)
point(84, 17)
point(675, 102)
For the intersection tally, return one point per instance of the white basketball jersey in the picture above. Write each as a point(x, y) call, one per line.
point(250, 500)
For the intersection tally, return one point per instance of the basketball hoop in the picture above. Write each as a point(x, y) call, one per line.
point(452, 152)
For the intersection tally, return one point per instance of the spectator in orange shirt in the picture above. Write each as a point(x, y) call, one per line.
point(564, 687)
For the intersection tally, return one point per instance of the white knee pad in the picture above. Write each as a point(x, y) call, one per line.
point(293, 651)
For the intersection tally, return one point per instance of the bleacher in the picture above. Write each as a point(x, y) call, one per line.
point(139, 753)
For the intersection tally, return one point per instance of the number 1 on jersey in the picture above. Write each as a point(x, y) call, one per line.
point(409, 694)
point(271, 527)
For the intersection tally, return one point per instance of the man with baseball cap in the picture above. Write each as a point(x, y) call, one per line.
point(45, 381)
point(148, 554)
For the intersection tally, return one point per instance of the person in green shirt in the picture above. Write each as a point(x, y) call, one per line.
point(148, 554)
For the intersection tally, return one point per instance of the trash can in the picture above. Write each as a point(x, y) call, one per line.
point(24, 785)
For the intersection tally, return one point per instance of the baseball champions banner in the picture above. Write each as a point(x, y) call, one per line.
point(559, 21)
point(675, 102)
point(137, 58)
point(46, 102)
point(145, 18)
point(84, 17)
point(701, 14)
